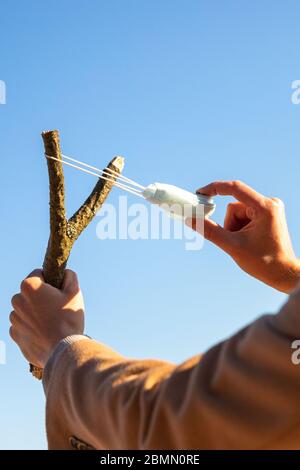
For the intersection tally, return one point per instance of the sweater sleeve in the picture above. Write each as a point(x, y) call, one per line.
point(241, 394)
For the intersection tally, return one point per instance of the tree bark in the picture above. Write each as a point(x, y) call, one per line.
point(64, 232)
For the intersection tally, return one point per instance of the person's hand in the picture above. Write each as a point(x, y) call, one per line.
point(255, 234)
point(43, 315)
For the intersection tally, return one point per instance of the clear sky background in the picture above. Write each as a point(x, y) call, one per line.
point(189, 92)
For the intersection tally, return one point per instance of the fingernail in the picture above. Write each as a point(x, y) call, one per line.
point(200, 190)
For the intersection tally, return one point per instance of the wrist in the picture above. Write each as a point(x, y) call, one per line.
point(290, 276)
point(47, 353)
point(68, 339)
point(295, 274)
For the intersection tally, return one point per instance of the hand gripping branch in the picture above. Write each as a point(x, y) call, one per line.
point(64, 232)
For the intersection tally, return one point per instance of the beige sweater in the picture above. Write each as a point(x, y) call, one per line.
point(244, 393)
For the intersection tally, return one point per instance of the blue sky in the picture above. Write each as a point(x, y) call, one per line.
point(189, 92)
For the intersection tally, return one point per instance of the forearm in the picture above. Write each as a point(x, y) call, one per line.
point(242, 394)
point(282, 274)
point(292, 278)
point(95, 392)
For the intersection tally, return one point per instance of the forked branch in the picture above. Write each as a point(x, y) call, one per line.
point(64, 232)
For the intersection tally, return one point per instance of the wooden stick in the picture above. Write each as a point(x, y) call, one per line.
point(64, 232)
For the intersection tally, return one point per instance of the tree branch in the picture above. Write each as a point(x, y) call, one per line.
point(63, 232)
point(55, 258)
point(83, 216)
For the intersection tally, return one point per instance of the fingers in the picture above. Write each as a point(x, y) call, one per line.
point(16, 320)
point(237, 216)
point(70, 282)
point(37, 273)
point(17, 302)
point(214, 233)
point(32, 282)
point(17, 325)
point(278, 202)
point(17, 334)
point(13, 334)
point(12, 316)
point(241, 191)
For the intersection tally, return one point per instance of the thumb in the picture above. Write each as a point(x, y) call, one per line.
point(70, 282)
point(214, 233)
